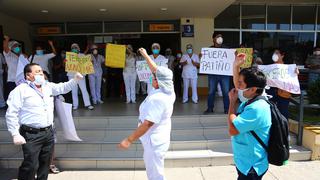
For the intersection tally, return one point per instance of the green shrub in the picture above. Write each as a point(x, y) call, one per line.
point(314, 92)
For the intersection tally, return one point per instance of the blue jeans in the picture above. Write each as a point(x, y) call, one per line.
point(224, 82)
point(252, 175)
point(282, 103)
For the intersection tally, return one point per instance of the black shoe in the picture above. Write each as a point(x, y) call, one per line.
point(226, 112)
point(208, 112)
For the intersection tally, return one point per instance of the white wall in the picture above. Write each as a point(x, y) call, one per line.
point(203, 29)
point(16, 29)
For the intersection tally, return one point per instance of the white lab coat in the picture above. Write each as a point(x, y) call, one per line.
point(130, 77)
point(96, 78)
point(83, 88)
point(157, 60)
point(2, 102)
point(190, 75)
point(157, 108)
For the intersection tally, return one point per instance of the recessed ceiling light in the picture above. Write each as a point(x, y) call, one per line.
point(164, 9)
point(102, 10)
point(44, 11)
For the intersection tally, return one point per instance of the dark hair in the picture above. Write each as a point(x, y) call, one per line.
point(27, 69)
point(282, 51)
point(215, 34)
point(254, 78)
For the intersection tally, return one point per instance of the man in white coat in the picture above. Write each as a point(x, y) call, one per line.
point(190, 62)
point(95, 79)
point(82, 84)
point(155, 120)
point(159, 59)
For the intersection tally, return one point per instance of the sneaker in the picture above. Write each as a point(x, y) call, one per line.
point(100, 102)
point(195, 102)
point(128, 102)
point(90, 107)
point(94, 102)
point(54, 169)
point(208, 112)
point(133, 102)
point(75, 107)
point(183, 102)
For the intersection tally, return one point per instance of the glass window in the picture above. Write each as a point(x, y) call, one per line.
point(253, 17)
point(279, 17)
point(229, 18)
point(123, 26)
point(230, 38)
point(84, 27)
point(297, 45)
point(303, 17)
point(318, 17)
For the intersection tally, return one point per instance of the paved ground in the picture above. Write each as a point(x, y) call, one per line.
point(308, 170)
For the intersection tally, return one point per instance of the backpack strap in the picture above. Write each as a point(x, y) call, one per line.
point(259, 140)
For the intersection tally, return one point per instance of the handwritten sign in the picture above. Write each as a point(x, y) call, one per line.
point(282, 76)
point(143, 70)
point(79, 63)
point(115, 55)
point(248, 60)
point(217, 61)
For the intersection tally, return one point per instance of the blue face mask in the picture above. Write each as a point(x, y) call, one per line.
point(150, 79)
point(16, 50)
point(75, 50)
point(189, 51)
point(155, 51)
point(39, 52)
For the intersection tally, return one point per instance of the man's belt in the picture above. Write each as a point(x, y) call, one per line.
point(34, 130)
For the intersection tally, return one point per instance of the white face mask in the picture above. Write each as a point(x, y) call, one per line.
point(95, 52)
point(275, 57)
point(240, 95)
point(219, 40)
point(39, 80)
point(317, 53)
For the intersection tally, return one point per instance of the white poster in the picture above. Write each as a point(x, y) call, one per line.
point(143, 70)
point(217, 61)
point(65, 117)
point(282, 76)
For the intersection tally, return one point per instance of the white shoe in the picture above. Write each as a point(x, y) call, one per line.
point(100, 102)
point(94, 102)
point(133, 102)
point(128, 102)
point(75, 107)
point(90, 107)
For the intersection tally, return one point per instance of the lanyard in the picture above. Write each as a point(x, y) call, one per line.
point(36, 89)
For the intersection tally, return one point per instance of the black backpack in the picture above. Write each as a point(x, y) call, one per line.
point(278, 145)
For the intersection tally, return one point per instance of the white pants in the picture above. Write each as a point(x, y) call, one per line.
point(95, 87)
point(154, 161)
point(84, 92)
point(149, 87)
point(130, 84)
point(2, 102)
point(186, 83)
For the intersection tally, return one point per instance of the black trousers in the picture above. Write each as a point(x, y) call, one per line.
point(37, 154)
point(252, 175)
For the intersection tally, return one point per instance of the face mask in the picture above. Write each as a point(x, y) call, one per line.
point(275, 58)
point(95, 52)
point(155, 51)
point(255, 56)
point(189, 51)
point(16, 50)
point(150, 79)
point(219, 40)
point(179, 55)
point(240, 95)
point(75, 50)
point(39, 80)
point(63, 56)
point(39, 52)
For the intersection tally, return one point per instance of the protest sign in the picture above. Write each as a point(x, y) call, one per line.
point(282, 76)
point(248, 52)
point(115, 55)
point(217, 61)
point(79, 63)
point(143, 70)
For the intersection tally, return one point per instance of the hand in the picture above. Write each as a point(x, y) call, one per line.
point(78, 76)
point(18, 140)
point(143, 52)
point(297, 71)
point(124, 144)
point(239, 59)
point(50, 43)
point(233, 95)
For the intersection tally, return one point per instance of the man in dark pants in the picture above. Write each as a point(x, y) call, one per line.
point(30, 119)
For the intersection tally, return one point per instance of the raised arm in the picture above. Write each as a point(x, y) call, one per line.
point(52, 47)
point(239, 60)
point(6, 44)
point(63, 88)
point(152, 65)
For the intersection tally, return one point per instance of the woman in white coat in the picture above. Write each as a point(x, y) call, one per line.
point(82, 84)
point(154, 120)
point(130, 75)
point(96, 78)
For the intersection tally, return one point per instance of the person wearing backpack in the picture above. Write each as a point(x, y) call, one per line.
point(250, 157)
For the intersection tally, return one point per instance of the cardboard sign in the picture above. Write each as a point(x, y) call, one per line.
point(282, 76)
point(115, 55)
point(143, 70)
point(248, 52)
point(217, 61)
point(79, 63)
